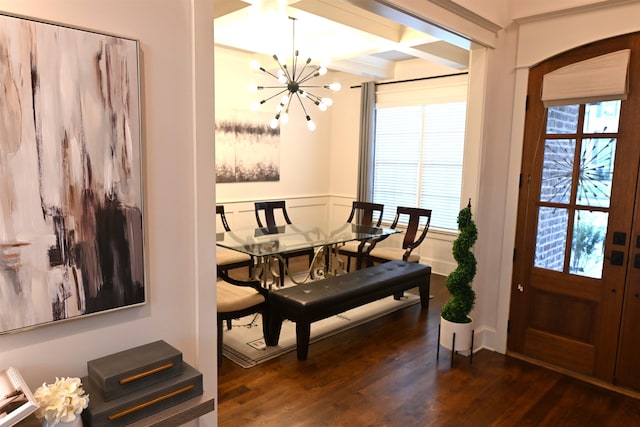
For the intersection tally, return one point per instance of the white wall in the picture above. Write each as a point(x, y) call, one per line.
point(177, 279)
point(304, 155)
point(528, 10)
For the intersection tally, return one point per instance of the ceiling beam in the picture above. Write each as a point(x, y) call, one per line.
point(406, 17)
point(441, 53)
point(366, 66)
point(225, 7)
point(352, 16)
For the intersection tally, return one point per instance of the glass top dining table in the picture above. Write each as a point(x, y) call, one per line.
point(260, 242)
point(266, 245)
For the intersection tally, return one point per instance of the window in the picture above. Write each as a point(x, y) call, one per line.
point(418, 154)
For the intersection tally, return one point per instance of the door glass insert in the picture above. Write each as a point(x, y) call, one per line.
point(596, 171)
point(563, 119)
point(551, 239)
point(587, 244)
point(557, 170)
point(601, 117)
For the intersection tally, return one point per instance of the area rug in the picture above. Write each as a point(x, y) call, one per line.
point(244, 343)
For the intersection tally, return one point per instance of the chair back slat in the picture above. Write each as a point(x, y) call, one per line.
point(223, 218)
point(366, 213)
point(417, 220)
point(268, 210)
point(417, 226)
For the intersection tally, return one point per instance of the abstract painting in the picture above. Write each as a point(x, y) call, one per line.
point(71, 221)
point(247, 151)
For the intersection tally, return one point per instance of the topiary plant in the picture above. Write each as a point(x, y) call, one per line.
point(463, 297)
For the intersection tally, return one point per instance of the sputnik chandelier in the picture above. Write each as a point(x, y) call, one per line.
point(294, 84)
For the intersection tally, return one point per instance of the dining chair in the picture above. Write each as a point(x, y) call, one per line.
point(228, 259)
point(367, 214)
point(267, 216)
point(417, 221)
point(235, 299)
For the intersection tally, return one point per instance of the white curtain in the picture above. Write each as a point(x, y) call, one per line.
point(602, 78)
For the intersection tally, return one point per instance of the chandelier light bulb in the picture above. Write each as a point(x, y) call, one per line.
point(335, 86)
point(327, 101)
point(273, 123)
point(252, 87)
point(284, 100)
point(310, 124)
point(254, 64)
point(255, 106)
point(322, 106)
point(284, 118)
point(322, 71)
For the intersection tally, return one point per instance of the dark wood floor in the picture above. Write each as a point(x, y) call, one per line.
point(385, 373)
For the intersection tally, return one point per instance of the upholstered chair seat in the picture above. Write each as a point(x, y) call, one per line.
point(237, 299)
point(393, 253)
point(227, 258)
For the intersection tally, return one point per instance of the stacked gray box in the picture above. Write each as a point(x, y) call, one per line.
point(130, 385)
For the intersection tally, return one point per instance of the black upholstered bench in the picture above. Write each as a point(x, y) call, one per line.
point(313, 301)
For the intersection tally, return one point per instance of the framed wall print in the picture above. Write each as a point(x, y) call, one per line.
point(247, 150)
point(71, 220)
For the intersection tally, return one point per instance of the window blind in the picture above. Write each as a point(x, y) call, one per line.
point(419, 149)
point(602, 78)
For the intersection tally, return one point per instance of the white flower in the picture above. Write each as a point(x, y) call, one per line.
point(61, 401)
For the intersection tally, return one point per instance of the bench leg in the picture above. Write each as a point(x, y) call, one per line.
point(271, 327)
point(425, 290)
point(303, 332)
point(273, 324)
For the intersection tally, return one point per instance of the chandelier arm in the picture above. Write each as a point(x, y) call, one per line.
point(268, 72)
point(274, 95)
point(282, 67)
point(313, 97)
point(311, 71)
point(302, 104)
point(312, 74)
point(286, 110)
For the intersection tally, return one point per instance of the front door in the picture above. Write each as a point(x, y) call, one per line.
point(575, 299)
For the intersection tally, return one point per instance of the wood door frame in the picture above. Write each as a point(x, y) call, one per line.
point(535, 119)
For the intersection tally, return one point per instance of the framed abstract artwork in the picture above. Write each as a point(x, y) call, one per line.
point(71, 218)
point(247, 149)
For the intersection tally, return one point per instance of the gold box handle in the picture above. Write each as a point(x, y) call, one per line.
point(146, 373)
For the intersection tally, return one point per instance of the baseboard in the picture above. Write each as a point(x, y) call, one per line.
point(584, 378)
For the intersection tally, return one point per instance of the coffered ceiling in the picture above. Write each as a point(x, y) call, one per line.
point(365, 38)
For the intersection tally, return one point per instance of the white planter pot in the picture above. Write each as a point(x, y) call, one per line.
point(463, 333)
